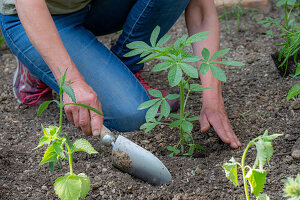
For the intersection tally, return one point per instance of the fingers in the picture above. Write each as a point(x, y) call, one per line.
point(96, 119)
point(84, 121)
point(217, 124)
point(204, 123)
point(235, 143)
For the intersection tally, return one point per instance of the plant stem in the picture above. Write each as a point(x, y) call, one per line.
point(70, 158)
point(244, 171)
point(181, 112)
point(61, 105)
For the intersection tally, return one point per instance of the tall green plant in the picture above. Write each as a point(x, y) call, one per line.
point(70, 186)
point(177, 61)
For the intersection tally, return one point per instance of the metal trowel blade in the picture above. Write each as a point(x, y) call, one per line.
point(140, 163)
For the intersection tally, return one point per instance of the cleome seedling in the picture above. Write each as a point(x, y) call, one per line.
point(292, 188)
point(177, 61)
point(70, 186)
point(256, 175)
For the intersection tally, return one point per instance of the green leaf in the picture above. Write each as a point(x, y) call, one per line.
point(204, 68)
point(187, 126)
point(83, 145)
point(257, 180)
point(293, 91)
point(44, 140)
point(149, 57)
point(85, 106)
point(68, 188)
point(262, 196)
point(197, 37)
point(50, 155)
point(189, 70)
point(85, 185)
point(134, 52)
point(190, 59)
point(175, 115)
point(152, 111)
point(292, 187)
point(148, 127)
point(191, 119)
point(230, 63)
point(154, 36)
point(219, 54)
point(218, 73)
point(161, 66)
point(58, 147)
point(175, 124)
point(165, 108)
point(163, 40)
point(205, 54)
point(174, 75)
point(172, 96)
point(191, 150)
point(138, 45)
point(42, 107)
point(264, 153)
point(196, 87)
point(231, 171)
point(147, 104)
point(70, 92)
point(198, 147)
point(155, 93)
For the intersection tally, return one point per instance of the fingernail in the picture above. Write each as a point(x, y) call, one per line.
point(96, 133)
point(234, 145)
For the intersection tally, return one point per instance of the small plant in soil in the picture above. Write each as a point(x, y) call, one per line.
point(256, 175)
point(176, 60)
point(70, 186)
point(292, 188)
point(289, 25)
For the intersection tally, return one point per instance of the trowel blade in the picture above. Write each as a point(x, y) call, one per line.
point(137, 161)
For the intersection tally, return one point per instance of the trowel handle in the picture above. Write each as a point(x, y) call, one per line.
point(107, 137)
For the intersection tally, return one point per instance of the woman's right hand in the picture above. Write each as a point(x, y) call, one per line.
point(84, 119)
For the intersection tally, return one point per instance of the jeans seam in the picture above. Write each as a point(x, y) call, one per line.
point(122, 45)
point(37, 68)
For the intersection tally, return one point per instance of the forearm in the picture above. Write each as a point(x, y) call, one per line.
point(41, 30)
point(199, 19)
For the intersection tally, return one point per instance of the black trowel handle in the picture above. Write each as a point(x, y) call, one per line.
point(107, 137)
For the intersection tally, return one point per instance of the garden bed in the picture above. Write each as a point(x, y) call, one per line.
point(255, 101)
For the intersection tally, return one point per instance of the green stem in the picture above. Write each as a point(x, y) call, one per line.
point(244, 171)
point(70, 158)
point(181, 112)
point(61, 105)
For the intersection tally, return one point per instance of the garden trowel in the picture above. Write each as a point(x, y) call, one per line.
point(135, 160)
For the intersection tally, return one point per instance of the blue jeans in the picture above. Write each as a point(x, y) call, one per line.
point(106, 71)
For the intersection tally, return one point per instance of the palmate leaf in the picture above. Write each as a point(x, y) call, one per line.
point(197, 37)
point(134, 52)
point(205, 54)
point(189, 70)
point(138, 45)
point(148, 127)
point(152, 111)
point(147, 104)
point(204, 68)
point(293, 91)
point(68, 187)
point(155, 93)
point(154, 36)
point(218, 73)
point(83, 145)
point(163, 40)
point(174, 75)
point(196, 87)
point(172, 96)
point(85, 185)
point(257, 180)
point(187, 126)
point(165, 108)
point(70, 92)
point(161, 66)
point(190, 59)
point(219, 54)
point(231, 171)
point(229, 62)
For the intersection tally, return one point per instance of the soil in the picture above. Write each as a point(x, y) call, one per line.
point(121, 159)
point(255, 100)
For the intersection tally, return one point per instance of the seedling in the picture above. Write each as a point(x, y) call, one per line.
point(176, 60)
point(70, 186)
point(292, 188)
point(255, 176)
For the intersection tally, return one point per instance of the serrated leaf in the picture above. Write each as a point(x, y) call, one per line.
point(191, 119)
point(204, 68)
point(257, 180)
point(85, 185)
point(175, 124)
point(196, 87)
point(165, 108)
point(175, 115)
point(189, 70)
point(174, 75)
point(152, 111)
point(190, 59)
point(149, 57)
point(134, 52)
point(86, 106)
point(58, 147)
point(155, 93)
point(147, 104)
point(219, 54)
point(292, 188)
point(218, 73)
point(205, 54)
point(43, 107)
point(68, 188)
point(293, 92)
point(172, 96)
point(161, 66)
point(50, 155)
point(70, 92)
point(83, 145)
point(264, 153)
point(197, 37)
point(148, 127)
point(229, 63)
point(154, 36)
point(137, 45)
point(187, 126)
point(163, 40)
point(44, 140)
point(262, 196)
point(231, 171)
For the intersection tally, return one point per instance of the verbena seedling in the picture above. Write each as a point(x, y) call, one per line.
point(255, 176)
point(292, 188)
point(70, 186)
point(176, 60)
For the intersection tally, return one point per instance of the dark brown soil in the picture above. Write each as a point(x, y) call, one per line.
point(256, 91)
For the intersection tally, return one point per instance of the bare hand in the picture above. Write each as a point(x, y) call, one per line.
point(84, 119)
point(215, 116)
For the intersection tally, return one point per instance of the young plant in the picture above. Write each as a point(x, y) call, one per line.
point(255, 176)
point(70, 186)
point(290, 27)
point(292, 188)
point(176, 60)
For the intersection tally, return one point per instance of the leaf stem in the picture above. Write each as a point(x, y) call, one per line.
point(70, 158)
point(244, 170)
